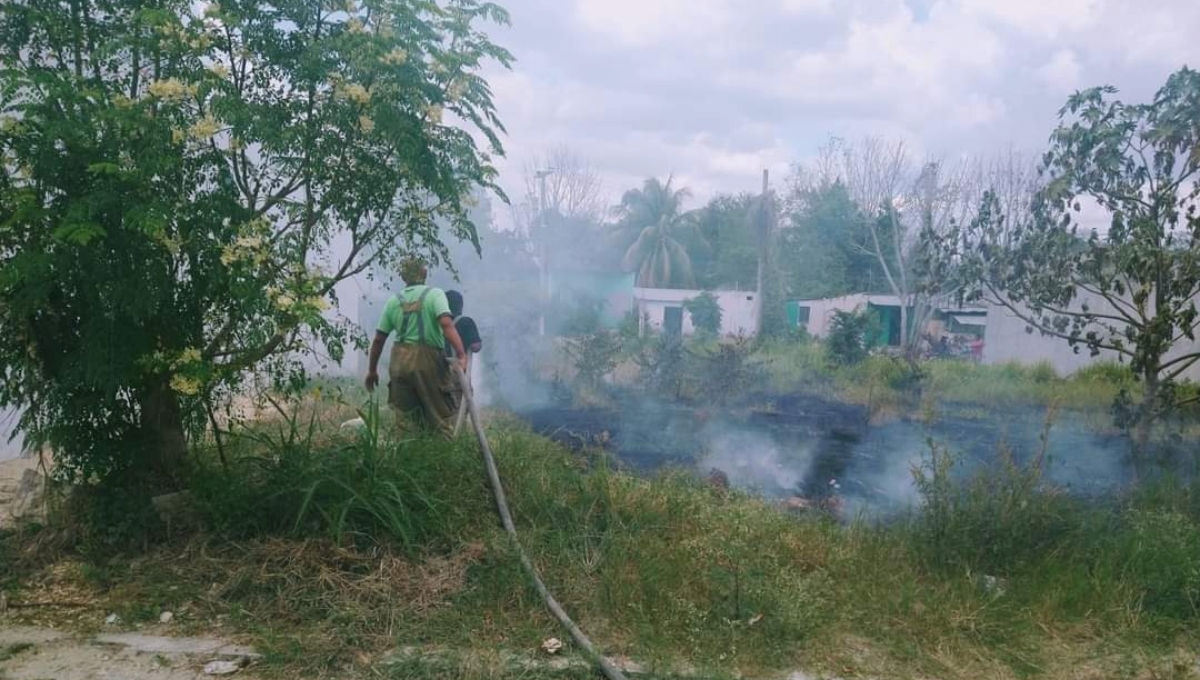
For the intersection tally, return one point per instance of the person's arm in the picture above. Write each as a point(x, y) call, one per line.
point(452, 336)
point(382, 331)
point(373, 359)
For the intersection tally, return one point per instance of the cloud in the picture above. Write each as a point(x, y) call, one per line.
point(1044, 19)
point(715, 91)
point(1062, 73)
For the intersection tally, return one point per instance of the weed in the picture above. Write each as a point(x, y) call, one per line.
point(12, 651)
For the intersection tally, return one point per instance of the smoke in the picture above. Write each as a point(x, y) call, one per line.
point(754, 461)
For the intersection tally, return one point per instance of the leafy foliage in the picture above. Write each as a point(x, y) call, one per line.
point(847, 343)
point(662, 363)
point(727, 370)
point(176, 180)
point(1129, 290)
point(705, 311)
point(659, 234)
point(730, 261)
point(824, 253)
point(594, 355)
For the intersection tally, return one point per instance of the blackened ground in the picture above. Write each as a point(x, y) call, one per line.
point(812, 447)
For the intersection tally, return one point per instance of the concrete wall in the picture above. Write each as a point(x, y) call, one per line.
point(739, 312)
point(1006, 340)
point(820, 312)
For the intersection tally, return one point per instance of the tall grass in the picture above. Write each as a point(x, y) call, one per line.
point(357, 542)
point(667, 569)
point(293, 478)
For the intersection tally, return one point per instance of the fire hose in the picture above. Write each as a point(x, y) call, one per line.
point(468, 402)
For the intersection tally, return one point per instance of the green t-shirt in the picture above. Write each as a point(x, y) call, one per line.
point(434, 307)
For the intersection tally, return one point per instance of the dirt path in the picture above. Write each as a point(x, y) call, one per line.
point(40, 653)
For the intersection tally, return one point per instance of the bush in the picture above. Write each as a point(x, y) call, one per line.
point(725, 370)
point(705, 311)
point(594, 356)
point(847, 343)
point(661, 365)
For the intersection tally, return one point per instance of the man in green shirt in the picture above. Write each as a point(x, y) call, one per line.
point(420, 382)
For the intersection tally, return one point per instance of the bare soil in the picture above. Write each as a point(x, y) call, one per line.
point(28, 653)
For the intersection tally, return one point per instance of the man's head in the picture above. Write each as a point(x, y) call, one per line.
point(413, 271)
point(455, 299)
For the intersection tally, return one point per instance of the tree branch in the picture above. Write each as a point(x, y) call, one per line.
point(1074, 339)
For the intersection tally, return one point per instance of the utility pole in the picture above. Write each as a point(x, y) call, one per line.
point(543, 268)
point(764, 238)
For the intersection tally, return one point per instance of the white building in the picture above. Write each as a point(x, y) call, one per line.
point(1008, 340)
point(816, 316)
point(663, 309)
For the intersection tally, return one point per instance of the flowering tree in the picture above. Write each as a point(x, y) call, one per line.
point(176, 178)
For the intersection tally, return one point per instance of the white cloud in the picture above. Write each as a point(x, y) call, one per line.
point(806, 6)
point(645, 22)
point(1041, 18)
point(1062, 72)
point(713, 91)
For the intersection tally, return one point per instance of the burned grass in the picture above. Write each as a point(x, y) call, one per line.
point(662, 569)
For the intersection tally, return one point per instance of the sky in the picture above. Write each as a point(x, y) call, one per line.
point(714, 91)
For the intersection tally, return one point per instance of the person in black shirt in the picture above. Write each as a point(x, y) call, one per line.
point(468, 331)
point(465, 325)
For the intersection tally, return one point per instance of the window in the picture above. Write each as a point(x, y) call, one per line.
point(802, 316)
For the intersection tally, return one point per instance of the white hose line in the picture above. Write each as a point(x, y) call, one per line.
point(606, 666)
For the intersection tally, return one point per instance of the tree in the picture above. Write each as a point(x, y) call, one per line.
point(177, 177)
point(902, 201)
point(659, 233)
point(1130, 289)
point(705, 311)
point(824, 251)
point(570, 187)
point(731, 260)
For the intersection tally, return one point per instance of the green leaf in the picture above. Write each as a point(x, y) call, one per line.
point(78, 233)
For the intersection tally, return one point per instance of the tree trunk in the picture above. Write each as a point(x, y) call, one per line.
point(1144, 427)
point(163, 434)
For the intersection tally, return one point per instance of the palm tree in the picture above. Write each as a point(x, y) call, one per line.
point(659, 234)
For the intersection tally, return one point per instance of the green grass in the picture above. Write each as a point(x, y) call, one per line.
point(11, 651)
point(328, 548)
point(882, 380)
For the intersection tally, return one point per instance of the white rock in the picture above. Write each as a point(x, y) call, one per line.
point(166, 617)
point(222, 667)
point(357, 423)
point(552, 646)
point(112, 619)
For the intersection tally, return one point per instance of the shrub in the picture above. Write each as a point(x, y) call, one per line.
point(847, 343)
point(661, 365)
point(705, 311)
point(726, 370)
point(594, 356)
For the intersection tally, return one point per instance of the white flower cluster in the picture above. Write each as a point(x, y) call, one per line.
point(250, 247)
point(184, 384)
point(171, 90)
point(354, 92)
point(396, 57)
